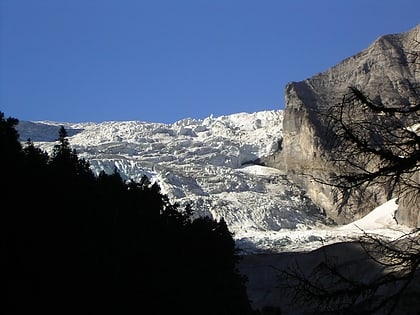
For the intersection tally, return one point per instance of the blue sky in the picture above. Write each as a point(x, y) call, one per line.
point(164, 60)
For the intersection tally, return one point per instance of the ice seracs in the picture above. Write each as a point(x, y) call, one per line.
point(208, 164)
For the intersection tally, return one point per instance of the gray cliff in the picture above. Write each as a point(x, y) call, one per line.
point(380, 71)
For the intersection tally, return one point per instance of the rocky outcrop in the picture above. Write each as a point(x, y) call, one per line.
point(382, 71)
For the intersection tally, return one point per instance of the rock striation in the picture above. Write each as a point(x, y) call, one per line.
point(382, 71)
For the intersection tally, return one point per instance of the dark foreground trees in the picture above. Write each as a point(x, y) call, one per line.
point(77, 243)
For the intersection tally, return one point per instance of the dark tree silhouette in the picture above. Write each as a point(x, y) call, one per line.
point(9, 138)
point(375, 145)
point(65, 160)
point(76, 243)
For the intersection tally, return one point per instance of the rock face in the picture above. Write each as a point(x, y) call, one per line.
point(381, 71)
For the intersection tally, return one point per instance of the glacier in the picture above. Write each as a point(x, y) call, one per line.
point(211, 164)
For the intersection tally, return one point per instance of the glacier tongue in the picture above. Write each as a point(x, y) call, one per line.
point(207, 163)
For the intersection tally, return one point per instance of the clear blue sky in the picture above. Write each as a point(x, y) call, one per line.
point(164, 60)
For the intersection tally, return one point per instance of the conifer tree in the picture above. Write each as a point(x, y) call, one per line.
point(99, 244)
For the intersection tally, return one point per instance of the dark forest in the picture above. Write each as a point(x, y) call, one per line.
point(73, 242)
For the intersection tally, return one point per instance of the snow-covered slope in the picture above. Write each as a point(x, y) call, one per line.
point(380, 221)
point(207, 163)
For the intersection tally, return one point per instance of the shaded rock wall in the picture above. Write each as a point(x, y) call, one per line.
point(382, 71)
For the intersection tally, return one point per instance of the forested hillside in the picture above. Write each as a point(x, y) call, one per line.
point(74, 242)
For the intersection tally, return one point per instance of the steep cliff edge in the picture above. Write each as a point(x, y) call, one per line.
point(382, 71)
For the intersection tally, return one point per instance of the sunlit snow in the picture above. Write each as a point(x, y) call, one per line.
point(208, 163)
point(380, 221)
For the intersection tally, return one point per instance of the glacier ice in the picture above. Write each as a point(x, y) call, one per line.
point(207, 163)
